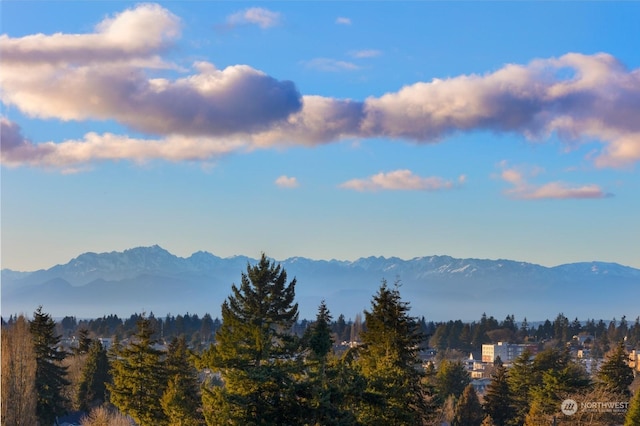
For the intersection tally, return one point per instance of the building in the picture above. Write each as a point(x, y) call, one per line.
point(507, 352)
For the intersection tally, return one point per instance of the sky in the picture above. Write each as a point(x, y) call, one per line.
point(329, 130)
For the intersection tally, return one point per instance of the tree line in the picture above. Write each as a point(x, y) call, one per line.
point(262, 370)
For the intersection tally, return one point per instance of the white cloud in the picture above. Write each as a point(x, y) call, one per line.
point(104, 75)
point(341, 20)
point(330, 65)
point(366, 53)
point(523, 189)
point(71, 155)
point(261, 17)
point(287, 182)
point(404, 180)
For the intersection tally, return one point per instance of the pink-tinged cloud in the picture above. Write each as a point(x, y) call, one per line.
point(72, 155)
point(523, 189)
point(399, 180)
point(104, 75)
point(259, 16)
point(287, 182)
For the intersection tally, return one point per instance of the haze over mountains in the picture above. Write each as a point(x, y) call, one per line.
point(151, 279)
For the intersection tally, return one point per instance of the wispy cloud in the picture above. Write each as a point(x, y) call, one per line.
point(103, 75)
point(287, 182)
point(259, 16)
point(366, 53)
point(330, 65)
point(341, 20)
point(523, 189)
point(399, 180)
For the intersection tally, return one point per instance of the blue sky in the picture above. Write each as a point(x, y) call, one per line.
point(325, 130)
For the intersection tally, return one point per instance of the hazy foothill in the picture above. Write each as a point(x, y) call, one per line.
point(261, 363)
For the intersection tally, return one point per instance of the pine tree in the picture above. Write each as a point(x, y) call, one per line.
point(633, 413)
point(18, 374)
point(468, 410)
point(50, 374)
point(139, 378)
point(520, 381)
point(324, 388)
point(498, 400)
point(615, 374)
point(389, 359)
point(181, 401)
point(451, 379)
point(92, 387)
point(256, 353)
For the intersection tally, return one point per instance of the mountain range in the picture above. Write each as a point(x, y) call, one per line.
point(150, 279)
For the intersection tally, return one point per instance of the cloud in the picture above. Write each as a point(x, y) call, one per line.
point(261, 17)
point(366, 53)
point(522, 189)
point(287, 182)
point(341, 20)
point(105, 75)
point(330, 65)
point(70, 155)
point(108, 81)
point(141, 32)
point(403, 180)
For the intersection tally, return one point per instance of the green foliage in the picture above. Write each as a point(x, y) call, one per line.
point(498, 399)
point(181, 400)
point(451, 379)
point(95, 376)
point(520, 380)
point(390, 362)
point(615, 374)
point(139, 378)
point(633, 413)
point(468, 410)
point(50, 374)
point(256, 354)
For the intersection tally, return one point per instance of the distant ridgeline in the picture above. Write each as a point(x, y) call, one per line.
point(151, 279)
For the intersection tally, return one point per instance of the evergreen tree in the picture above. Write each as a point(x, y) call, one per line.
point(50, 374)
point(498, 400)
point(256, 353)
point(139, 378)
point(615, 374)
point(452, 378)
point(92, 387)
point(468, 409)
point(520, 381)
point(18, 374)
point(84, 342)
point(181, 401)
point(389, 359)
point(324, 391)
point(633, 413)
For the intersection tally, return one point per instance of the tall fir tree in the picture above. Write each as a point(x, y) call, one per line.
point(92, 388)
point(498, 399)
point(633, 412)
point(181, 401)
point(138, 378)
point(255, 351)
point(615, 374)
point(324, 393)
point(390, 361)
point(468, 410)
point(50, 374)
point(18, 374)
point(520, 381)
point(451, 379)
